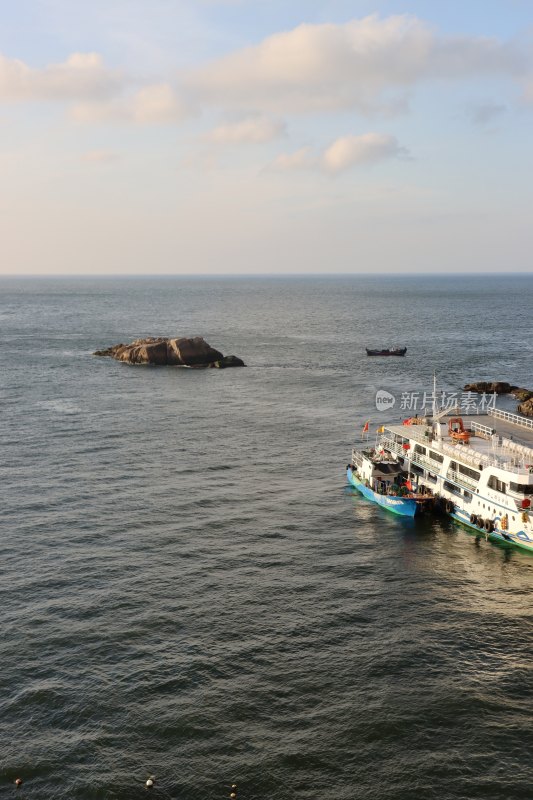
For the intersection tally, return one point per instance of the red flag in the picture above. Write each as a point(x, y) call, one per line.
point(365, 429)
point(409, 485)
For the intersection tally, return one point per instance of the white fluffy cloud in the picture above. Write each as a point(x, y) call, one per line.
point(251, 129)
point(331, 66)
point(350, 151)
point(82, 75)
point(368, 64)
point(343, 154)
point(156, 104)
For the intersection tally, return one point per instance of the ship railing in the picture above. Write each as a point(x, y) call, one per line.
point(458, 452)
point(428, 463)
point(481, 430)
point(357, 458)
point(507, 416)
point(461, 479)
point(416, 458)
point(445, 412)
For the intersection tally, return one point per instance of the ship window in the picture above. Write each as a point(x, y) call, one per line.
point(468, 495)
point(451, 488)
point(521, 488)
point(495, 483)
point(420, 449)
point(436, 456)
point(470, 472)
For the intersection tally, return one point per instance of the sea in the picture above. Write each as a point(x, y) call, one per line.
point(188, 588)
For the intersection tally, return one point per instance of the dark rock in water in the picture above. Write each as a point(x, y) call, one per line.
point(228, 361)
point(181, 352)
point(498, 387)
point(525, 396)
point(526, 408)
point(522, 394)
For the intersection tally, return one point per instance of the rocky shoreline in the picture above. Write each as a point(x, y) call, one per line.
point(524, 396)
point(182, 351)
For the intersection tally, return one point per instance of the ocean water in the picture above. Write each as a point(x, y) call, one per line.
point(188, 588)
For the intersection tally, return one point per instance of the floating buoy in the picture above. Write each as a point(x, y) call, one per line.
point(150, 781)
point(18, 781)
point(233, 796)
point(234, 787)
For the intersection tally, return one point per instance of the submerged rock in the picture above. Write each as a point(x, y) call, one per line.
point(180, 352)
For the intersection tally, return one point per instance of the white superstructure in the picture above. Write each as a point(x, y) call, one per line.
point(481, 466)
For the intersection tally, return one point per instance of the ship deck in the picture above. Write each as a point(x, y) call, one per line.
point(511, 447)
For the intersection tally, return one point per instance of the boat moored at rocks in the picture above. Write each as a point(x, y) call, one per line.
point(478, 469)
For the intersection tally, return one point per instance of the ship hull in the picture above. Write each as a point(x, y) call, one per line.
point(519, 539)
point(404, 507)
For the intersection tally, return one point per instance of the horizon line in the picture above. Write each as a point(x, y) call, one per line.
point(146, 275)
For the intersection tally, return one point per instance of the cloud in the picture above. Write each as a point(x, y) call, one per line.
point(251, 129)
point(156, 104)
point(334, 66)
point(484, 113)
point(369, 64)
point(99, 157)
point(94, 92)
point(527, 96)
point(299, 159)
point(82, 75)
point(343, 154)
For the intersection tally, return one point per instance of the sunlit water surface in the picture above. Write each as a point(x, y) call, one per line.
point(188, 589)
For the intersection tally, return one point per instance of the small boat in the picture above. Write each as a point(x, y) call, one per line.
point(404, 506)
point(398, 351)
point(457, 432)
point(381, 477)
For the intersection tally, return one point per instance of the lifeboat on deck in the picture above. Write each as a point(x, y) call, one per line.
point(457, 432)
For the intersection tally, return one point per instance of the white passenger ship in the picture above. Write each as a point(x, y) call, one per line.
point(479, 469)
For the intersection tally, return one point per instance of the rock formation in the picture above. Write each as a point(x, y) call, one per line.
point(525, 396)
point(180, 352)
point(498, 387)
point(526, 407)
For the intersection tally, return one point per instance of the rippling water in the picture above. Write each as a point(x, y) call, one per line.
point(188, 589)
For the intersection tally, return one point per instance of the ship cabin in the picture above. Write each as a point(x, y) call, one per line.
point(380, 472)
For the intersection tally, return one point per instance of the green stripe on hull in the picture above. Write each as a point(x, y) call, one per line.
point(528, 548)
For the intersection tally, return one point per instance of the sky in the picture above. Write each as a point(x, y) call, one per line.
point(260, 136)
